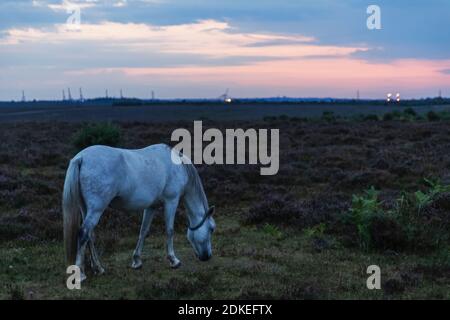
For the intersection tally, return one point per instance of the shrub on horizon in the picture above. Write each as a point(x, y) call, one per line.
point(106, 134)
point(433, 116)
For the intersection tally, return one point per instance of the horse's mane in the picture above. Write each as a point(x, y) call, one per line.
point(195, 183)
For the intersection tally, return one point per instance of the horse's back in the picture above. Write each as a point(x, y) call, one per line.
point(160, 167)
point(135, 178)
point(108, 159)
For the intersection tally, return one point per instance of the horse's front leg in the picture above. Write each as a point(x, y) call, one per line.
point(145, 227)
point(170, 208)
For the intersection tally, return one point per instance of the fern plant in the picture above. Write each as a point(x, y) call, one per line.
point(362, 210)
point(425, 198)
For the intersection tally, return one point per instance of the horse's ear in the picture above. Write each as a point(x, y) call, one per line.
point(211, 210)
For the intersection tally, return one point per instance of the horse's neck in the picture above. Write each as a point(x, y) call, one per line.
point(195, 206)
point(194, 197)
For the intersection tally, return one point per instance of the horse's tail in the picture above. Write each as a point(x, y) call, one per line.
point(72, 203)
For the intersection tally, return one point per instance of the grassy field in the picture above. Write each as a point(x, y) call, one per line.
point(290, 236)
point(248, 264)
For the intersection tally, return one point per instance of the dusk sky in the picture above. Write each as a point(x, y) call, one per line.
point(199, 48)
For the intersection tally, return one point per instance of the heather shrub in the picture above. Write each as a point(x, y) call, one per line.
point(97, 134)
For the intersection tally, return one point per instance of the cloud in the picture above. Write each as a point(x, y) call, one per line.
point(338, 77)
point(207, 38)
point(289, 47)
point(335, 23)
point(69, 6)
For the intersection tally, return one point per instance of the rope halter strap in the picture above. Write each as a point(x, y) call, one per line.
point(206, 216)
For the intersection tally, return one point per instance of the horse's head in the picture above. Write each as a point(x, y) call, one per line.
point(200, 235)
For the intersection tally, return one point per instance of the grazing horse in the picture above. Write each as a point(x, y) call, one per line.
point(133, 179)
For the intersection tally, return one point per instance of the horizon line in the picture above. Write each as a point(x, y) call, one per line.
point(218, 99)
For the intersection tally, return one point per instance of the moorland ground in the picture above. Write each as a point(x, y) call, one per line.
point(157, 112)
point(301, 234)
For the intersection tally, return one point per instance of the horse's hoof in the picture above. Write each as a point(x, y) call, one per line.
point(82, 277)
point(175, 265)
point(99, 271)
point(136, 265)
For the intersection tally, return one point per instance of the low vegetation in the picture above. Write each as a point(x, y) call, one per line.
point(399, 114)
point(106, 134)
point(415, 221)
point(349, 194)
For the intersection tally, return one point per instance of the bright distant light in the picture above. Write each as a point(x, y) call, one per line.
point(397, 97)
point(228, 100)
point(389, 96)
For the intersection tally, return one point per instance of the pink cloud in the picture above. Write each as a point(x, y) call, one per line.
point(288, 64)
point(334, 75)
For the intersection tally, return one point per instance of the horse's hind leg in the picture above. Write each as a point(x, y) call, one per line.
point(170, 208)
point(95, 261)
point(145, 227)
point(84, 236)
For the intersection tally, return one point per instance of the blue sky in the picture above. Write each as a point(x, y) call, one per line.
point(198, 48)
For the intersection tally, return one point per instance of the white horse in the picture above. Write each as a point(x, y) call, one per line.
point(133, 179)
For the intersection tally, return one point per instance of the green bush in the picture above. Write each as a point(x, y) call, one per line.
point(97, 134)
point(433, 116)
point(270, 119)
point(317, 231)
point(298, 119)
point(444, 115)
point(328, 116)
point(424, 216)
point(371, 117)
point(410, 111)
point(127, 103)
point(423, 199)
point(397, 114)
point(361, 212)
point(272, 231)
point(388, 116)
point(416, 221)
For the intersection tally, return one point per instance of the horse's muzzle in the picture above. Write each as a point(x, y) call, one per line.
point(205, 257)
